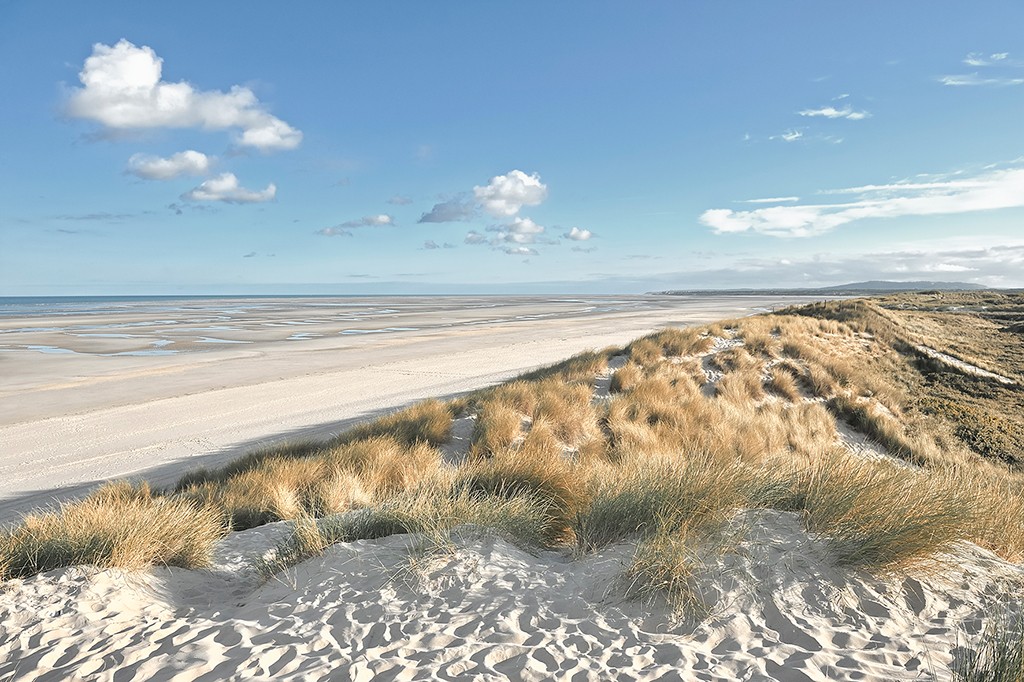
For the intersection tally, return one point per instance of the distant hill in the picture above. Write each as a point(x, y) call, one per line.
point(872, 287)
point(880, 285)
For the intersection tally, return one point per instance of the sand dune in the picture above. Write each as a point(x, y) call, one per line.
point(385, 609)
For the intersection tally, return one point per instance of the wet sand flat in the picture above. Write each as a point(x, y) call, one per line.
point(150, 390)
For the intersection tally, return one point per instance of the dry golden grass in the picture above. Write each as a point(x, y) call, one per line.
point(880, 516)
point(427, 422)
point(783, 383)
point(536, 469)
point(741, 387)
point(119, 525)
point(675, 342)
point(497, 427)
point(645, 352)
point(626, 377)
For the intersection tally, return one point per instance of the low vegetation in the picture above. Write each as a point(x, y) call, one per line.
point(997, 655)
point(696, 425)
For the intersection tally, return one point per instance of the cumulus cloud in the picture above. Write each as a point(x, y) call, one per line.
point(225, 188)
point(505, 195)
point(189, 162)
point(451, 211)
point(578, 235)
point(122, 89)
point(474, 237)
point(832, 112)
point(994, 189)
point(516, 231)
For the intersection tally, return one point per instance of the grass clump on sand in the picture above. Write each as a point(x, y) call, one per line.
point(118, 525)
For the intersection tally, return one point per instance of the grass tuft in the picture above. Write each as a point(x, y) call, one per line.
point(119, 525)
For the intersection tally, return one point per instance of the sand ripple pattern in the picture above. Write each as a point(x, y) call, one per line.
point(384, 610)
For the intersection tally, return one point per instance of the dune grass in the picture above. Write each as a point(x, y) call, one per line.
point(659, 462)
point(119, 525)
point(997, 655)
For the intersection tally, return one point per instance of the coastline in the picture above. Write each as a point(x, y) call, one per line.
point(71, 421)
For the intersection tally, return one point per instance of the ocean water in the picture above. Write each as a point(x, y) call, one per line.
point(112, 326)
point(76, 305)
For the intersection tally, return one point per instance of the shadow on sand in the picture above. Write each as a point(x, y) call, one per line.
point(14, 508)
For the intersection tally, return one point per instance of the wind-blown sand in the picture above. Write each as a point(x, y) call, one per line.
point(95, 404)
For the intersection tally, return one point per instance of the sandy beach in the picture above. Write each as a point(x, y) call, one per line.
point(150, 390)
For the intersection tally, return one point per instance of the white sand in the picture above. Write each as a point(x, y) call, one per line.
point(380, 609)
point(71, 420)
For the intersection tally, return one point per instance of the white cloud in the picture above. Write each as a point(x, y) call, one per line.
point(516, 231)
point(399, 200)
point(770, 200)
point(946, 267)
point(975, 79)
point(188, 162)
point(123, 90)
point(474, 237)
point(832, 112)
point(430, 245)
point(578, 235)
point(788, 136)
point(225, 188)
point(381, 220)
point(521, 251)
point(506, 194)
point(988, 191)
point(979, 59)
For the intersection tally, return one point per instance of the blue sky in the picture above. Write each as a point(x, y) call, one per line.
point(446, 147)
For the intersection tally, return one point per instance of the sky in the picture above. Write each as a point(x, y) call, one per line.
point(529, 147)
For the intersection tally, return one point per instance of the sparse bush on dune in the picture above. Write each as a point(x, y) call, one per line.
point(736, 360)
point(865, 417)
